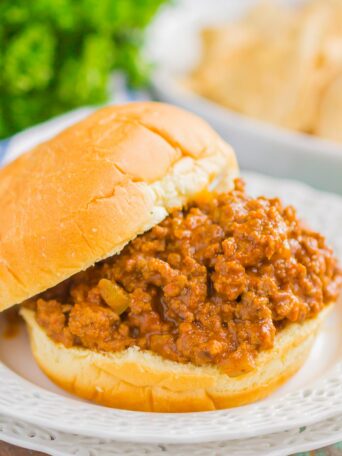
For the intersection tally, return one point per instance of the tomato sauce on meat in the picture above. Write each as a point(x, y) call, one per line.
point(211, 284)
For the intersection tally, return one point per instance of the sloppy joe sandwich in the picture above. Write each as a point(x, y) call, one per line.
point(148, 278)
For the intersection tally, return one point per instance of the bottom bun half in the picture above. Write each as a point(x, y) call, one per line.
point(141, 380)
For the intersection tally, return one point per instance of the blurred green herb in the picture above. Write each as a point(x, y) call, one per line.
point(56, 55)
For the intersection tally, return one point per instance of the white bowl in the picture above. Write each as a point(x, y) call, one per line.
point(174, 45)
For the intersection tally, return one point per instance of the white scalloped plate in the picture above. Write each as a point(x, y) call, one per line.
point(61, 444)
point(314, 394)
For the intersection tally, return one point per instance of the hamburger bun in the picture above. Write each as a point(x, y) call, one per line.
point(82, 196)
point(141, 380)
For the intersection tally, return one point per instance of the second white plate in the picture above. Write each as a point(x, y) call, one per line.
point(61, 444)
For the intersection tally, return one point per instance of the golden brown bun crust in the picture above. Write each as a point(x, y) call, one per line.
point(83, 195)
point(138, 380)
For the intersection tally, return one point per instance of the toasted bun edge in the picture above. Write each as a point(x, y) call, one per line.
point(141, 380)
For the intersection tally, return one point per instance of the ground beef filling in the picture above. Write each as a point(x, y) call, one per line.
point(211, 284)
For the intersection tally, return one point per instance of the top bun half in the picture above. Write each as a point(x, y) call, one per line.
point(83, 195)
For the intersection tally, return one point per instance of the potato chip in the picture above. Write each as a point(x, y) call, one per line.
point(275, 63)
point(330, 114)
